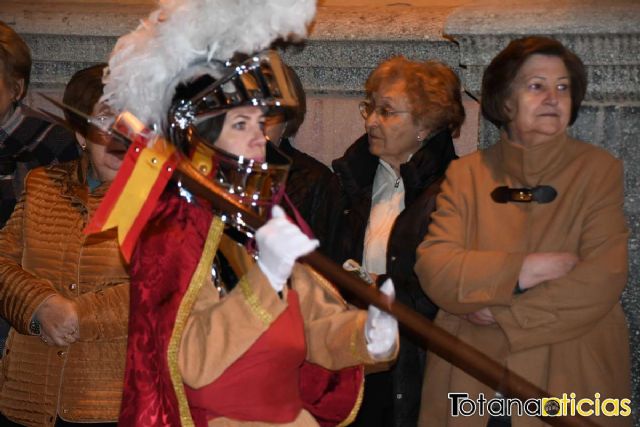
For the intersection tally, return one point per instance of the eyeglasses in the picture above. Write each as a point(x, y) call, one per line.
point(367, 108)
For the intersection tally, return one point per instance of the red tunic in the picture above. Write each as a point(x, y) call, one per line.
point(263, 384)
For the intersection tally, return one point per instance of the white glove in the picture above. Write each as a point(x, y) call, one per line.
point(381, 329)
point(280, 243)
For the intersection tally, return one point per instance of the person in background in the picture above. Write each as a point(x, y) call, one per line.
point(310, 186)
point(390, 178)
point(65, 294)
point(27, 140)
point(526, 255)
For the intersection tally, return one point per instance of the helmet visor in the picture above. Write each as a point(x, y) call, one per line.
point(259, 81)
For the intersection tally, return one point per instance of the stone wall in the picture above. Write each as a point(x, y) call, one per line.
point(346, 43)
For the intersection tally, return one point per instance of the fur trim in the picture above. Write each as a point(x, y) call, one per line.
point(145, 63)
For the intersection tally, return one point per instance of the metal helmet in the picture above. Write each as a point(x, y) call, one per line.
point(197, 112)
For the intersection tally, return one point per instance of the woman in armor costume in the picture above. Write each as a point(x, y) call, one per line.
point(223, 332)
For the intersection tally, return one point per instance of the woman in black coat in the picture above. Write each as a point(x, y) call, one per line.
point(390, 178)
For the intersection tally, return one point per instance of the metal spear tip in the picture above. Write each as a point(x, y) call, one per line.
point(102, 123)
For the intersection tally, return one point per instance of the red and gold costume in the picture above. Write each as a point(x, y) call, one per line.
point(251, 357)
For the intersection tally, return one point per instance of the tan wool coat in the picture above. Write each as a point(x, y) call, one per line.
point(567, 335)
point(43, 252)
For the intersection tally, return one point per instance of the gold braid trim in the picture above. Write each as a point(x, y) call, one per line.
point(356, 336)
point(199, 278)
point(252, 300)
point(356, 407)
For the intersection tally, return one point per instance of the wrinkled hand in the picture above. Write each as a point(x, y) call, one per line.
point(482, 317)
point(58, 319)
point(280, 243)
point(381, 329)
point(539, 267)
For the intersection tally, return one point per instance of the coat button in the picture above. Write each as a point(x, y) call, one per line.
point(62, 354)
point(393, 258)
point(73, 287)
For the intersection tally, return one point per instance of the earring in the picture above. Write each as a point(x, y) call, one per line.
point(419, 138)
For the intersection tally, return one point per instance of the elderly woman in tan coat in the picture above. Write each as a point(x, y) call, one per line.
point(527, 251)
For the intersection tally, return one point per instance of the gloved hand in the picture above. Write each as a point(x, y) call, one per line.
point(280, 243)
point(381, 329)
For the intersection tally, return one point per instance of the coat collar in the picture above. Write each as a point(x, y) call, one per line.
point(430, 162)
point(291, 152)
point(358, 166)
point(286, 147)
point(73, 180)
point(532, 165)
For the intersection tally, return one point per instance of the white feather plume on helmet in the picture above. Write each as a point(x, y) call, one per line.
point(145, 62)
